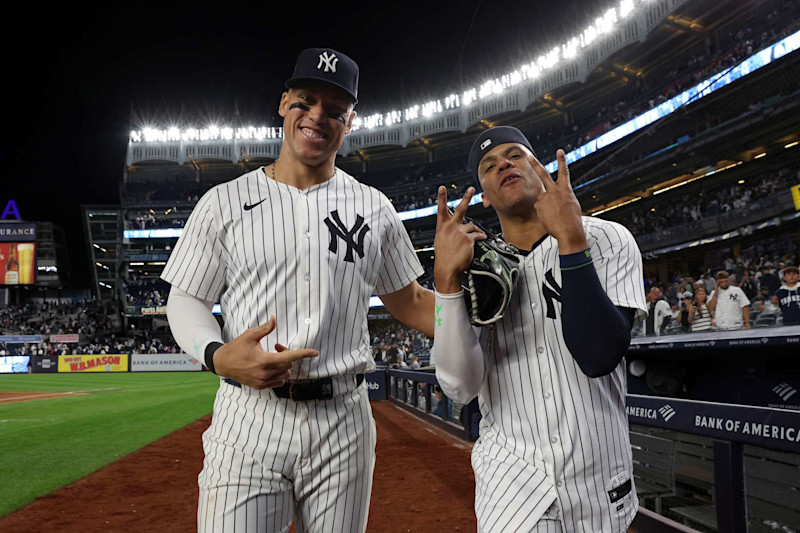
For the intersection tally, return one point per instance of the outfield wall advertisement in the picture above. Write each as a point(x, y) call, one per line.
point(164, 362)
point(93, 363)
point(14, 364)
point(44, 364)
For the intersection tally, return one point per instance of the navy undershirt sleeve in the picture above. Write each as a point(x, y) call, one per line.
point(596, 331)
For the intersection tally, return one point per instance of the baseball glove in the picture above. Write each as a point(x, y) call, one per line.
point(490, 280)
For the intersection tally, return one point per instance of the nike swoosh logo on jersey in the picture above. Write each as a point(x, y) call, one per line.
point(249, 207)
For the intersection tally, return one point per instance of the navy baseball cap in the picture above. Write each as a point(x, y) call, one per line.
point(326, 64)
point(495, 137)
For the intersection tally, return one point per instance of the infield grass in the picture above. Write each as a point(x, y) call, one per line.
point(51, 442)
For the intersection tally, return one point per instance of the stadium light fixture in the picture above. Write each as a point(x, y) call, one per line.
point(790, 145)
point(759, 156)
point(602, 25)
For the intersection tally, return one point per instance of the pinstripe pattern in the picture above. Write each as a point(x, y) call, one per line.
point(268, 460)
point(548, 431)
point(313, 464)
point(275, 259)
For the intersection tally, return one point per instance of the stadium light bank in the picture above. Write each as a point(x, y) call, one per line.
point(602, 25)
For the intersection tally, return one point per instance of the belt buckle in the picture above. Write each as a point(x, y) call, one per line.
point(291, 391)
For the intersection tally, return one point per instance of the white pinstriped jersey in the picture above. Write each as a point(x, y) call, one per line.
point(549, 431)
point(311, 257)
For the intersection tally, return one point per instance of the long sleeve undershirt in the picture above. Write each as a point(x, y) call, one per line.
point(192, 323)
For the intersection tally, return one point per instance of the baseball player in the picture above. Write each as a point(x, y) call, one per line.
point(293, 251)
point(553, 452)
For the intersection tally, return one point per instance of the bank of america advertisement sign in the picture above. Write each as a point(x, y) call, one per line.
point(164, 362)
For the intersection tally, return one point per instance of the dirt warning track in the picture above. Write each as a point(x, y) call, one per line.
point(423, 482)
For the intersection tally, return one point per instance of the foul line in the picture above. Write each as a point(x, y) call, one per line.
point(54, 394)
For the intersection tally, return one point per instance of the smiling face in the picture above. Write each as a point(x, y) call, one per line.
point(509, 182)
point(316, 117)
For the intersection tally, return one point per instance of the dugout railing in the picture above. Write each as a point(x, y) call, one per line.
point(709, 466)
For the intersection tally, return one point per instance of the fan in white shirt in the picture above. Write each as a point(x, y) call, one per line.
point(729, 304)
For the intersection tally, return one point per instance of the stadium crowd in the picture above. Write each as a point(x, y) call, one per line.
point(764, 277)
point(395, 345)
point(145, 291)
point(728, 200)
point(151, 221)
point(415, 188)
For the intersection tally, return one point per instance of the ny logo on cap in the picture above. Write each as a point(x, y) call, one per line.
point(329, 61)
point(485, 143)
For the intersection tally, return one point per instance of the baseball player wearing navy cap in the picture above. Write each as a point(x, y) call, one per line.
point(554, 452)
point(293, 252)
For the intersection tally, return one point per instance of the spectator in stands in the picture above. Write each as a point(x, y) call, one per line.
point(437, 401)
point(659, 314)
point(748, 286)
point(673, 293)
point(414, 362)
point(709, 282)
point(729, 304)
point(768, 279)
point(393, 353)
point(699, 314)
point(769, 308)
point(788, 296)
point(685, 311)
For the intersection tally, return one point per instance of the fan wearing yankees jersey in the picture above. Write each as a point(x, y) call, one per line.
point(293, 252)
point(553, 452)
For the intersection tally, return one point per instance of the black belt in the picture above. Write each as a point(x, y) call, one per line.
point(303, 391)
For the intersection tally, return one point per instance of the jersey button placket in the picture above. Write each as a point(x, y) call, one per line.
point(304, 259)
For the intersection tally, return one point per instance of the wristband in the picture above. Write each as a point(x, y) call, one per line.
point(576, 260)
point(209, 355)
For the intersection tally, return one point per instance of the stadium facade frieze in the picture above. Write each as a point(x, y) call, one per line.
point(459, 118)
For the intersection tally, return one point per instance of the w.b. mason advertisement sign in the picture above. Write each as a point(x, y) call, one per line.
point(777, 429)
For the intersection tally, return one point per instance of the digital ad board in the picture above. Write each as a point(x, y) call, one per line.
point(14, 364)
point(17, 263)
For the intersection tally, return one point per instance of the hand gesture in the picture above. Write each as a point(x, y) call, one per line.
point(245, 361)
point(558, 207)
point(454, 242)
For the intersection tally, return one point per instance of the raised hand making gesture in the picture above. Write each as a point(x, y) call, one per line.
point(558, 208)
point(454, 243)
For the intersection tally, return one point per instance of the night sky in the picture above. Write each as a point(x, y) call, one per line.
point(80, 80)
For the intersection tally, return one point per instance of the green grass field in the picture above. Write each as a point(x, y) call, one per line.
point(48, 443)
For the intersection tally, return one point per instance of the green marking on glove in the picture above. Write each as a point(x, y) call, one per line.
point(439, 321)
point(196, 346)
point(438, 309)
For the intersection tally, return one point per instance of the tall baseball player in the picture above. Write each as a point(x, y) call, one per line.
point(553, 452)
point(293, 252)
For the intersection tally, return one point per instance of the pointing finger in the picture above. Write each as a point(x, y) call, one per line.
point(547, 181)
point(288, 356)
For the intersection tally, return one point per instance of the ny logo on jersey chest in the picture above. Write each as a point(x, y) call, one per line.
point(551, 291)
point(338, 230)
